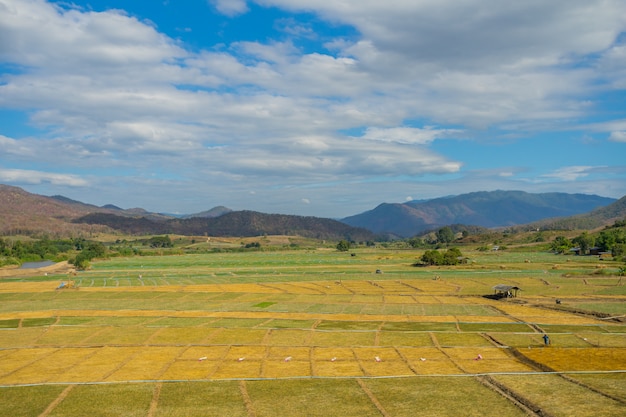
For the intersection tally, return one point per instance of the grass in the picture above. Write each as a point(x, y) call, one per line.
point(559, 397)
point(309, 333)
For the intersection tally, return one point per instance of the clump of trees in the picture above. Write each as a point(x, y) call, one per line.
point(451, 256)
point(160, 242)
point(343, 245)
point(612, 239)
point(91, 251)
point(16, 252)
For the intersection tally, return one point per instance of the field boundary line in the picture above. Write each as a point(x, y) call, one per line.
point(246, 399)
point(515, 398)
point(56, 401)
point(155, 399)
point(465, 375)
point(372, 398)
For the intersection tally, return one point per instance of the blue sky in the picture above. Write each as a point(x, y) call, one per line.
point(310, 107)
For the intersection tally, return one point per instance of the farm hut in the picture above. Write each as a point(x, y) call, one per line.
point(502, 291)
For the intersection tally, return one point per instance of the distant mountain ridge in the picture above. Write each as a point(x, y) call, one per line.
point(234, 224)
point(31, 214)
point(485, 208)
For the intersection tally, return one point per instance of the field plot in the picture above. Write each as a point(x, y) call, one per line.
point(229, 334)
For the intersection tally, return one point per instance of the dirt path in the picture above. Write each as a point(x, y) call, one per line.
point(57, 401)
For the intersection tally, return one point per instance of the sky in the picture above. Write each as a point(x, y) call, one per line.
point(320, 108)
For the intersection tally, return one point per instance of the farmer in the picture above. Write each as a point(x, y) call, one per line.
point(546, 339)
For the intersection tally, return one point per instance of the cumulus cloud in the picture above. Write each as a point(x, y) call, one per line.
point(619, 136)
point(408, 135)
point(22, 176)
point(570, 173)
point(230, 7)
point(114, 94)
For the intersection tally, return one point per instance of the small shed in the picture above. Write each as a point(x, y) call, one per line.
point(503, 290)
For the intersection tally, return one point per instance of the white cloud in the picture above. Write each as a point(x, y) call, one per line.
point(570, 173)
point(115, 95)
point(409, 135)
point(22, 176)
point(230, 7)
point(619, 136)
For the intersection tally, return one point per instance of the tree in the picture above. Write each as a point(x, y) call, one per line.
point(445, 235)
point(584, 241)
point(451, 256)
point(561, 244)
point(431, 257)
point(343, 246)
point(161, 242)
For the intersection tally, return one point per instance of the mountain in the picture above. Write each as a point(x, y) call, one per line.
point(31, 214)
point(214, 212)
point(591, 220)
point(234, 224)
point(486, 209)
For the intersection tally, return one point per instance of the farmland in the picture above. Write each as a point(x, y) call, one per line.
point(313, 332)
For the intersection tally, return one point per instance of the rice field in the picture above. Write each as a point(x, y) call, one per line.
point(315, 332)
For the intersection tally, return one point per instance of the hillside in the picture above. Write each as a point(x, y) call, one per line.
point(591, 220)
point(25, 213)
point(486, 209)
point(31, 214)
point(234, 224)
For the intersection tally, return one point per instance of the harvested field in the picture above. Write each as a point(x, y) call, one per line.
point(315, 327)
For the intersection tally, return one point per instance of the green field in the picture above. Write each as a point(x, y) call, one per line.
point(315, 332)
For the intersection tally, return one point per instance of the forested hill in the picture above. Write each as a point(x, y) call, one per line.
point(486, 208)
point(234, 224)
point(596, 218)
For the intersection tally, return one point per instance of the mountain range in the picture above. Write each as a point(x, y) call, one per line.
point(487, 209)
point(25, 213)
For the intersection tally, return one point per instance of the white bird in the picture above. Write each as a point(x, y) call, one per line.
point(288, 358)
point(378, 359)
point(333, 359)
point(242, 358)
point(202, 358)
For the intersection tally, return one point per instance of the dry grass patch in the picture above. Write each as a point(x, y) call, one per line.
point(190, 370)
point(148, 364)
point(209, 352)
point(248, 368)
point(409, 397)
point(310, 398)
point(461, 339)
point(398, 299)
point(237, 337)
point(428, 361)
point(122, 335)
point(179, 335)
point(201, 399)
point(286, 369)
point(28, 401)
point(98, 366)
point(22, 337)
point(346, 338)
point(558, 397)
point(16, 359)
point(47, 367)
point(66, 335)
point(382, 362)
point(289, 337)
point(128, 400)
point(485, 360)
point(579, 359)
point(388, 338)
point(611, 384)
